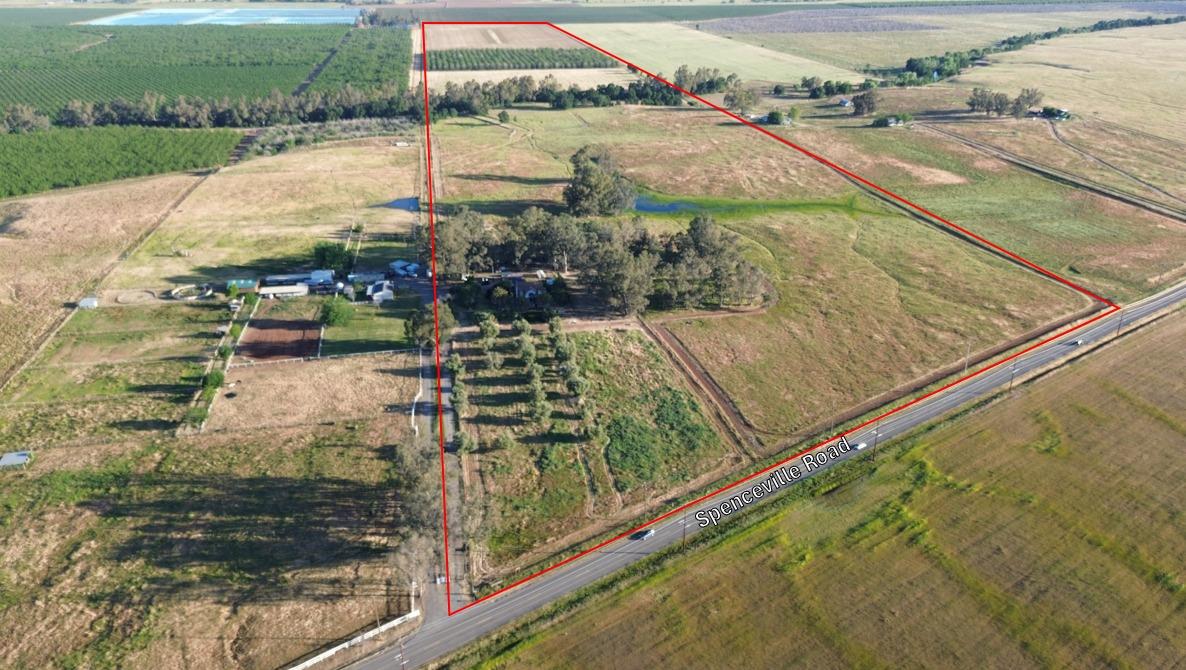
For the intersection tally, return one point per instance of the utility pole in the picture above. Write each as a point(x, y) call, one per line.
point(967, 356)
point(684, 540)
point(1012, 372)
point(1119, 320)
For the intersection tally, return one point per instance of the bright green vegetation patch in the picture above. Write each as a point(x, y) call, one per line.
point(370, 58)
point(75, 157)
point(517, 59)
point(372, 328)
point(632, 432)
point(653, 203)
point(46, 67)
point(656, 434)
point(1036, 557)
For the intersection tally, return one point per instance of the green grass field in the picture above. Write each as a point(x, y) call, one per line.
point(1037, 525)
point(60, 158)
point(111, 373)
point(663, 47)
point(372, 328)
point(1113, 249)
point(865, 303)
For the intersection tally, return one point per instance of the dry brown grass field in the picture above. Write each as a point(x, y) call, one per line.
point(1102, 75)
point(860, 37)
point(55, 247)
point(680, 152)
point(1041, 530)
point(311, 392)
point(243, 549)
point(296, 519)
point(265, 215)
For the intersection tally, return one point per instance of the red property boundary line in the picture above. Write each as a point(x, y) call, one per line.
point(1112, 307)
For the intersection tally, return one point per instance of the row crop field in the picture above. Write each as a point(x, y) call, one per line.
point(517, 59)
point(369, 59)
point(46, 67)
point(60, 158)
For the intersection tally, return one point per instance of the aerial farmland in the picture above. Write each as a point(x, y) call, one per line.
point(590, 335)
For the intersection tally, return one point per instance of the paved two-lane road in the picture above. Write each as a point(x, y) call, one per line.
point(441, 636)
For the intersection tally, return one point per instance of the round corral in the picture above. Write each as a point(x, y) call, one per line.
point(136, 297)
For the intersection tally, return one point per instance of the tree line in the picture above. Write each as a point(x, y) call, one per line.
point(995, 102)
point(346, 103)
point(922, 70)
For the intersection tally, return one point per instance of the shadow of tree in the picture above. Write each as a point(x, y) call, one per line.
point(203, 535)
point(525, 181)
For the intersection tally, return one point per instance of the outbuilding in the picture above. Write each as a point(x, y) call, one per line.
point(284, 291)
point(89, 302)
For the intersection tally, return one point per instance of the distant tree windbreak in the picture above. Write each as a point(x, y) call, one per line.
point(40, 161)
point(516, 59)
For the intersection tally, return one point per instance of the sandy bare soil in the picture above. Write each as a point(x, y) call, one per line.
point(498, 37)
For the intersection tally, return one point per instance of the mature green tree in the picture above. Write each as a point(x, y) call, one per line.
point(421, 326)
point(23, 119)
point(624, 280)
point(740, 98)
point(1027, 99)
point(865, 103)
point(332, 256)
point(461, 243)
point(597, 186)
point(488, 327)
point(336, 311)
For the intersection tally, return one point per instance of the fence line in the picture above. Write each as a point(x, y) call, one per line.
point(310, 359)
point(304, 665)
